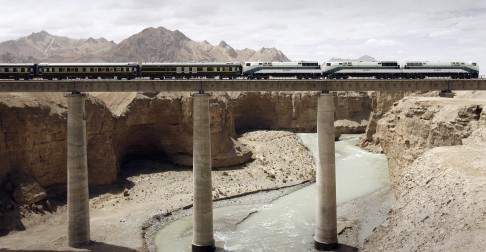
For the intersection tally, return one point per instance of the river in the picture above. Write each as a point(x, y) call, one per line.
point(287, 224)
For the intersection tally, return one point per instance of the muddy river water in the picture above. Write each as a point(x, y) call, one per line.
point(287, 224)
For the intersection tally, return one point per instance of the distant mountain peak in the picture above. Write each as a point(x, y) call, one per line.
point(223, 44)
point(39, 35)
point(367, 58)
point(362, 58)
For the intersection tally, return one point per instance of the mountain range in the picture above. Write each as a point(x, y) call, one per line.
point(150, 45)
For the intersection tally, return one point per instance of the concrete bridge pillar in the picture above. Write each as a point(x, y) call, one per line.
point(202, 239)
point(326, 220)
point(77, 169)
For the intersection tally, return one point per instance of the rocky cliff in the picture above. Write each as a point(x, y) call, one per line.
point(417, 124)
point(298, 111)
point(126, 126)
point(440, 190)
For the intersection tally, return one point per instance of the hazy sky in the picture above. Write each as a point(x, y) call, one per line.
point(443, 30)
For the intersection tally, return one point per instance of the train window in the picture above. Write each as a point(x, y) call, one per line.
point(199, 69)
point(260, 64)
point(111, 69)
point(1, 70)
point(99, 69)
point(328, 64)
point(248, 64)
point(474, 64)
point(210, 69)
point(226, 69)
point(118, 69)
point(340, 64)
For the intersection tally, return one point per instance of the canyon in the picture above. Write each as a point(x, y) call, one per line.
point(122, 127)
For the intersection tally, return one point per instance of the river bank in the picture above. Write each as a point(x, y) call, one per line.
point(356, 218)
point(283, 220)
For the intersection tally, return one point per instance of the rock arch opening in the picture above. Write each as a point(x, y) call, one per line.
point(140, 143)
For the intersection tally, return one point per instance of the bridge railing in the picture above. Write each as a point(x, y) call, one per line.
point(239, 85)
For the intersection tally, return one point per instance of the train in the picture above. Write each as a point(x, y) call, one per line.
point(235, 70)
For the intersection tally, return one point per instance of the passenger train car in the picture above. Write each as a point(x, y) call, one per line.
point(190, 70)
point(17, 71)
point(249, 70)
point(87, 70)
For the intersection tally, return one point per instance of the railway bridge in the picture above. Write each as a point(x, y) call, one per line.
point(203, 239)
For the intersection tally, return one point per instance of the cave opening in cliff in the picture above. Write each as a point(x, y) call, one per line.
point(144, 152)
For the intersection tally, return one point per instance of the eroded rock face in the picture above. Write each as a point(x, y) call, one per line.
point(382, 102)
point(125, 126)
point(297, 111)
point(161, 127)
point(353, 111)
point(417, 124)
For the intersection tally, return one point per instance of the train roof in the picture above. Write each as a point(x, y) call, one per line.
point(283, 62)
point(191, 64)
point(16, 64)
point(103, 64)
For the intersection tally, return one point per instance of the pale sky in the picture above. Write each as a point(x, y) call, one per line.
point(443, 30)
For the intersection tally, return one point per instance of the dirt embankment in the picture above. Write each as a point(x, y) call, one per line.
point(435, 149)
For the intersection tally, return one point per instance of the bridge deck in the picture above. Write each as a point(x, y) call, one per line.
point(238, 85)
